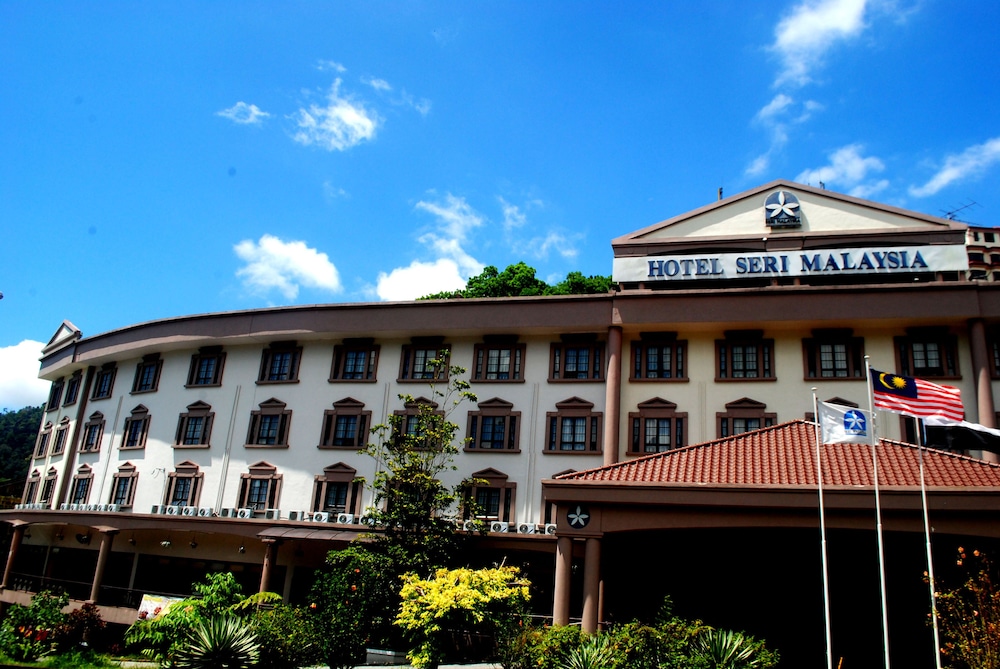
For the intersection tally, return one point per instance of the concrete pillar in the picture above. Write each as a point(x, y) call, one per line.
point(270, 557)
point(613, 396)
point(984, 383)
point(15, 544)
point(591, 585)
point(107, 539)
point(560, 596)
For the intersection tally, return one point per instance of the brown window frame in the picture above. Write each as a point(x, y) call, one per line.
point(196, 410)
point(94, 425)
point(260, 471)
point(147, 374)
point(660, 341)
point(55, 394)
point(947, 351)
point(745, 340)
point(84, 476)
point(339, 474)
point(813, 355)
point(345, 408)
point(126, 472)
point(491, 481)
point(269, 374)
point(423, 351)
point(574, 409)
point(42, 441)
point(498, 345)
point(494, 408)
point(657, 409)
point(595, 355)
point(48, 489)
point(348, 351)
point(104, 382)
point(195, 378)
point(31, 487)
point(268, 408)
point(139, 416)
point(743, 409)
point(72, 393)
point(62, 434)
point(184, 471)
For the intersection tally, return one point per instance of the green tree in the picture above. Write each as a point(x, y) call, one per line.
point(29, 632)
point(969, 614)
point(519, 280)
point(18, 431)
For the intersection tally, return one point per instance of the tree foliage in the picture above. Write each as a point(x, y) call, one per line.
point(519, 280)
point(29, 632)
point(18, 431)
point(489, 603)
point(969, 614)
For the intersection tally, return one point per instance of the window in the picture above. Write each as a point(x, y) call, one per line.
point(147, 374)
point(658, 355)
point(72, 389)
point(337, 490)
point(354, 360)
point(48, 486)
point(574, 428)
point(744, 415)
point(494, 427)
point(31, 488)
point(657, 427)
point(123, 485)
point(104, 382)
point(500, 358)
point(744, 355)
point(206, 367)
point(425, 359)
point(55, 395)
point(409, 421)
point(42, 445)
point(184, 485)
point(576, 358)
point(93, 430)
point(136, 428)
point(834, 354)
point(279, 363)
point(194, 428)
point(260, 487)
point(269, 425)
point(927, 353)
point(494, 498)
point(60, 443)
point(346, 425)
point(79, 491)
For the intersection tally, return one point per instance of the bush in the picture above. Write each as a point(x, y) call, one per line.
point(222, 642)
point(969, 614)
point(29, 632)
point(288, 637)
point(541, 647)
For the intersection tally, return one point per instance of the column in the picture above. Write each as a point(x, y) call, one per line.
point(613, 395)
point(15, 544)
point(564, 564)
point(591, 585)
point(984, 384)
point(107, 538)
point(270, 557)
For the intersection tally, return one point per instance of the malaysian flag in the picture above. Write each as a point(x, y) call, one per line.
point(914, 397)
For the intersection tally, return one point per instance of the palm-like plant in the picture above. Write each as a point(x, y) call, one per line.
point(725, 649)
point(594, 653)
point(219, 643)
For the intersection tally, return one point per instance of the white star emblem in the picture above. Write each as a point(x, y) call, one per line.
point(781, 208)
point(854, 421)
point(578, 518)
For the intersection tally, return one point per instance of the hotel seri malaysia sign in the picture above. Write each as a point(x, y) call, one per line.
point(781, 211)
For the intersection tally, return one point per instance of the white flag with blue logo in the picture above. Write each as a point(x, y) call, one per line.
point(844, 425)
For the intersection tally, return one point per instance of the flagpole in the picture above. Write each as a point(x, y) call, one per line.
point(822, 530)
point(927, 536)
point(878, 513)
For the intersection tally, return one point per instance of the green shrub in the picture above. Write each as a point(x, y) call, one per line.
point(29, 632)
point(222, 642)
point(596, 652)
point(541, 647)
point(725, 649)
point(288, 637)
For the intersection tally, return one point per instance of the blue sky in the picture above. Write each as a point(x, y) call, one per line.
point(162, 159)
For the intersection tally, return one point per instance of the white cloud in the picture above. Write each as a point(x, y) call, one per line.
point(777, 105)
point(338, 126)
point(540, 247)
point(848, 169)
point(456, 220)
point(513, 217)
point(19, 384)
point(419, 279)
point(813, 28)
point(273, 264)
point(758, 165)
point(970, 163)
point(328, 65)
point(244, 114)
point(331, 192)
point(378, 84)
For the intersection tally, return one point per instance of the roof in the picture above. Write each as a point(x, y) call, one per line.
point(785, 456)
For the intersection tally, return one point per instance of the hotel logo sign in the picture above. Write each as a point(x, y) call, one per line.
point(781, 210)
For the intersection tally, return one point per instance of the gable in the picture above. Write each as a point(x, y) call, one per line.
point(66, 334)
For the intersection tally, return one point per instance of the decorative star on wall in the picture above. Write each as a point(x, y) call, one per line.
point(578, 517)
point(781, 207)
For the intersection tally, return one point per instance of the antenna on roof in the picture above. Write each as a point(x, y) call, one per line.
point(953, 214)
point(720, 192)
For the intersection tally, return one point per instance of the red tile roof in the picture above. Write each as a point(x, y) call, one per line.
point(785, 455)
